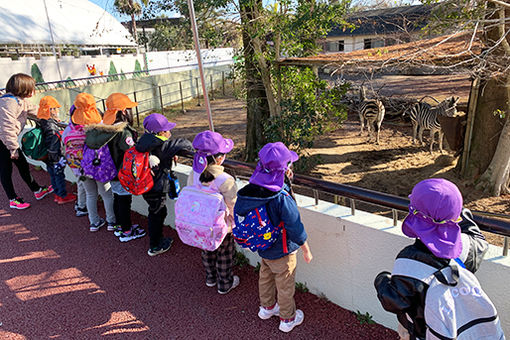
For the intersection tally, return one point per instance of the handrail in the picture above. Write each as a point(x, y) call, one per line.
point(489, 224)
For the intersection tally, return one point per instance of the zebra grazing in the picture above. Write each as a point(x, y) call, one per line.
point(371, 110)
point(424, 116)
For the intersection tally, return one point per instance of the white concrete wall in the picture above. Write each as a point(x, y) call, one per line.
point(72, 67)
point(349, 251)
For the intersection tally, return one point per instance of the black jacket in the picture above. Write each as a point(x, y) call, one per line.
point(404, 295)
point(52, 134)
point(165, 151)
point(119, 138)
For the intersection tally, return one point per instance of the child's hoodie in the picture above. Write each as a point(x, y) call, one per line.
point(280, 207)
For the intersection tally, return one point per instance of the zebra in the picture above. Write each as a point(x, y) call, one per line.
point(424, 116)
point(371, 110)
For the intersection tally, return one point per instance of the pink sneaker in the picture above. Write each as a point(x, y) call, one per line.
point(43, 192)
point(18, 203)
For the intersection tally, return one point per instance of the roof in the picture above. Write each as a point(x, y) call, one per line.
point(76, 22)
point(449, 49)
point(385, 21)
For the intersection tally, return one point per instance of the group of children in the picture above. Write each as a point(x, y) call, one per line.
point(442, 229)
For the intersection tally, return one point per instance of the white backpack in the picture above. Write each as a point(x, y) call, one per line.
point(456, 307)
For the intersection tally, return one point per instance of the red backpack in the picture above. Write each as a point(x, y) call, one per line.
point(135, 173)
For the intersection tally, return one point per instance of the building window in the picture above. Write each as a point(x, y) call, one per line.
point(367, 43)
point(340, 45)
point(377, 43)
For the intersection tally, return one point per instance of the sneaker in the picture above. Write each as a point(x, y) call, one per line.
point(211, 284)
point(80, 211)
point(266, 313)
point(63, 200)
point(43, 192)
point(18, 203)
point(111, 226)
point(117, 231)
point(165, 245)
point(288, 325)
point(235, 283)
point(98, 225)
point(133, 234)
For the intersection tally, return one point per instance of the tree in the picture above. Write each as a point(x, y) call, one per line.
point(487, 58)
point(131, 8)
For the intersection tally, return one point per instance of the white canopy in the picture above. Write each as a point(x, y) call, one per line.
point(77, 22)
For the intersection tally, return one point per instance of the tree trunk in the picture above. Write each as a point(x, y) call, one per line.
point(257, 110)
point(487, 127)
point(133, 28)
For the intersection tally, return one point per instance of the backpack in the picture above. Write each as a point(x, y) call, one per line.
point(200, 215)
point(74, 141)
point(456, 307)
point(32, 144)
point(255, 230)
point(98, 164)
point(135, 173)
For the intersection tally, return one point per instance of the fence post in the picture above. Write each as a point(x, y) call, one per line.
point(137, 112)
point(104, 105)
point(395, 216)
point(182, 99)
point(212, 88)
point(223, 81)
point(198, 91)
point(160, 98)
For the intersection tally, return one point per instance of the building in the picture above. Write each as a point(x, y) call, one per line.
point(73, 27)
point(378, 28)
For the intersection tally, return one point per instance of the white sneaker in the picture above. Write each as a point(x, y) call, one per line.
point(298, 320)
point(265, 313)
point(235, 283)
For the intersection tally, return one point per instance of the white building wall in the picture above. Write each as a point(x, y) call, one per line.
point(349, 251)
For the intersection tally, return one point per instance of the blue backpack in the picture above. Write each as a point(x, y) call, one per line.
point(255, 230)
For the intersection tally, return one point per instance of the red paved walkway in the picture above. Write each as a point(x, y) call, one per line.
point(58, 280)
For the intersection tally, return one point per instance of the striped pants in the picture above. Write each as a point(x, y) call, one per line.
point(218, 264)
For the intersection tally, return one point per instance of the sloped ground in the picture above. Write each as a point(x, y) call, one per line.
point(59, 280)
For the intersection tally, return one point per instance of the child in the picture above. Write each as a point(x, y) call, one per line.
point(80, 207)
point(86, 114)
point(156, 140)
point(278, 265)
point(443, 231)
point(55, 163)
point(117, 130)
point(14, 109)
point(211, 148)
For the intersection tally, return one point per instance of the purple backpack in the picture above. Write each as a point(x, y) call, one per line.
point(98, 164)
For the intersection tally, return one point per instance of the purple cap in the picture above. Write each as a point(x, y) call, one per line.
point(434, 216)
point(156, 122)
point(274, 161)
point(208, 143)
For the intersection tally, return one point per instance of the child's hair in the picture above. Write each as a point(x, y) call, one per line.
point(21, 85)
point(126, 116)
point(206, 176)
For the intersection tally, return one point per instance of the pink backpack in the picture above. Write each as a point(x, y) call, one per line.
point(200, 215)
point(74, 140)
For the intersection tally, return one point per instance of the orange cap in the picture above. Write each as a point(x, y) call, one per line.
point(45, 104)
point(114, 103)
point(86, 112)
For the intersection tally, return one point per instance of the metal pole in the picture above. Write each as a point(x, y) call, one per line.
point(199, 59)
point(198, 91)
point(395, 217)
point(212, 88)
point(160, 98)
point(182, 99)
point(505, 247)
point(52, 41)
point(137, 112)
point(223, 81)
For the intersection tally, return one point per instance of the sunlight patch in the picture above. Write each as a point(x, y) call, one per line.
point(27, 287)
point(121, 322)
point(45, 254)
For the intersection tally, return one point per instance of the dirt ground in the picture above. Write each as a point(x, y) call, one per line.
point(394, 166)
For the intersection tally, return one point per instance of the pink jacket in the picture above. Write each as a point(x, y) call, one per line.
point(13, 116)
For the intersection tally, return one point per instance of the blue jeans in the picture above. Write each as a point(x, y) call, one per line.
point(58, 180)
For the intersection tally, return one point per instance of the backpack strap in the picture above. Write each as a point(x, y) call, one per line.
point(414, 269)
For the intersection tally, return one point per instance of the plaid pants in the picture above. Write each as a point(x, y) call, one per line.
point(218, 264)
